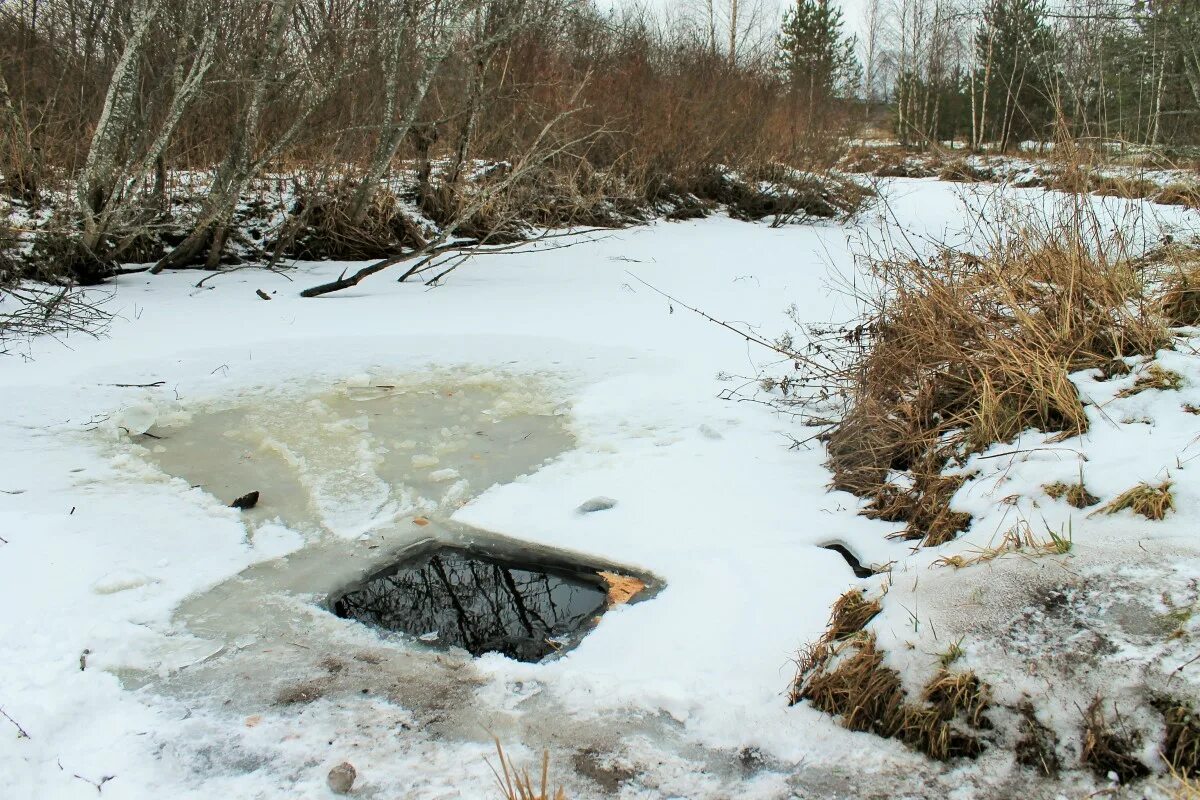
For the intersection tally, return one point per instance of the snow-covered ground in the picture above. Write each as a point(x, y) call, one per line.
point(684, 695)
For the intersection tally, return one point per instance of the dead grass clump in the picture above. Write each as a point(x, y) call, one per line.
point(848, 679)
point(1107, 747)
point(1181, 295)
point(887, 162)
point(850, 614)
point(1018, 539)
point(925, 506)
point(1155, 377)
point(321, 228)
point(1037, 747)
point(1179, 194)
point(516, 784)
point(1181, 743)
point(1129, 188)
point(1152, 502)
point(302, 692)
point(1076, 494)
point(963, 171)
point(1072, 180)
point(779, 192)
point(967, 350)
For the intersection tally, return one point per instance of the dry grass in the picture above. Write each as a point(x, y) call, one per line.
point(1037, 747)
point(1181, 293)
point(889, 162)
point(1179, 194)
point(925, 506)
point(1155, 377)
point(1130, 188)
point(516, 784)
point(1017, 539)
point(843, 674)
point(962, 171)
point(1152, 502)
point(966, 350)
point(320, 228)
point(1182, 788)
point(1076, 494)
point(1181, 744)
point(848, 679)
point(850, 614)
point(1108, 747)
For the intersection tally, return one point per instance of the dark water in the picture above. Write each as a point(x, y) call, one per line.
point(480, 603)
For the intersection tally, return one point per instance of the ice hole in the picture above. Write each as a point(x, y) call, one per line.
point(523, 605)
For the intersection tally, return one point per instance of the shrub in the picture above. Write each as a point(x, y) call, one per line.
point(964, 350)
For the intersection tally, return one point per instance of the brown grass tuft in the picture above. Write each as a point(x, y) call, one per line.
point(1076, 494)
point(966, 350)
point(962, 171)
point(848, 679)
point(925, 506)
point(516, 784)
point(1181, 294)
point(1179, 194)
point(1155, 377)
point(1181, 744)
point(1130, 188)
point(1037, 746)
point(1152, 502)
point(1107, 747)
point(850, 614)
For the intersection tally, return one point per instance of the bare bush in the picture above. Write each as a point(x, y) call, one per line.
point(963, 349)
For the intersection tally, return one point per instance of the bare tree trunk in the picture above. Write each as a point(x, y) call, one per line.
point(98, 181)
point(712, 28)
point(240, 166)
point(733, 31)
point(987, 83)
point(17, 157)
point(1156, 116)
point(392, 131)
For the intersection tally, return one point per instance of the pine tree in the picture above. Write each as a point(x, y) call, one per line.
point(815, 56)
point(1015, 55)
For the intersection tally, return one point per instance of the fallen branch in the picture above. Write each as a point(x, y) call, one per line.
point(749, 337)
point(21, 732)
point(463, 251)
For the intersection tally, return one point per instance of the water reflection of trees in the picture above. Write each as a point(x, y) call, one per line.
point(481, 606)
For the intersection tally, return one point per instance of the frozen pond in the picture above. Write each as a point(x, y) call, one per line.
point(351, 479)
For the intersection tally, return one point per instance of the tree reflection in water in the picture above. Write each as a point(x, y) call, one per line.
point(480, 604)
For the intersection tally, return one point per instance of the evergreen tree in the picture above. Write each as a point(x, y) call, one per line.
point(815, 56)
point(1014, 50)
point(1169, 34)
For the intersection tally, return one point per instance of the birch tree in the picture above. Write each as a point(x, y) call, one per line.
point(269, 73)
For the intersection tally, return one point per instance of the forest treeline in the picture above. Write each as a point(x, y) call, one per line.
point(145, 131)
point(146, 125)
point(1006, 71)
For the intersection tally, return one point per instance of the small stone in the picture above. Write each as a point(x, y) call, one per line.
point(341, 778)
point(597, 504)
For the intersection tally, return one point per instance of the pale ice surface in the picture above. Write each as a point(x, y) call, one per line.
point(210, 672)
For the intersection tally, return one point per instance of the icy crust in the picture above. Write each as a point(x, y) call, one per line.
point(372, 451)
point(1113, 617)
